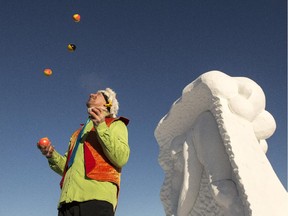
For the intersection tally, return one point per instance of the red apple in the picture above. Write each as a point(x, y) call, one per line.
point(44, 142)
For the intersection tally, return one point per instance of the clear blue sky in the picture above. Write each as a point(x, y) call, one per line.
point(147, 51)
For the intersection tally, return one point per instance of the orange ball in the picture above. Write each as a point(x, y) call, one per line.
point(76, 17)
point(44, 142)
point(48, 72)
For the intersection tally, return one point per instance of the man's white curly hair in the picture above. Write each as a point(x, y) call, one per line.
point(111, 95)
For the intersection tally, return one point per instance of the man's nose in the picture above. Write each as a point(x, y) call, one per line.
point(93, 95)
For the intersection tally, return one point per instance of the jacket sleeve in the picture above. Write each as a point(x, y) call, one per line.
point(57, 162)
point(114, 141)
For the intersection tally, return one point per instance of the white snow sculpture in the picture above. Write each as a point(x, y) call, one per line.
point(212, 150)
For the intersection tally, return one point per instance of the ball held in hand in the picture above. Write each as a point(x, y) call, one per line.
point(44, 142)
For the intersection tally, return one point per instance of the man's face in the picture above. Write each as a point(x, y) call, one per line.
point(96, 100)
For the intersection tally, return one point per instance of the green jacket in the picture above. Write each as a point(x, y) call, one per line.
point(76, 186)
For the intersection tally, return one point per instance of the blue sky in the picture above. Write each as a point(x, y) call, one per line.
point(147, 51)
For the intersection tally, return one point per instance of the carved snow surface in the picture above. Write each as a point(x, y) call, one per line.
point(197, 185)
point(205, 204)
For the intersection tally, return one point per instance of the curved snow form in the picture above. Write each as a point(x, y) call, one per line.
point(238, 106)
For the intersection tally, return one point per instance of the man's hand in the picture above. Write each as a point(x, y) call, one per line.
point(97, 114)
point(46, 150)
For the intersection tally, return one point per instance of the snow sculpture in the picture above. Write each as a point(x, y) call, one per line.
point(212, 150)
